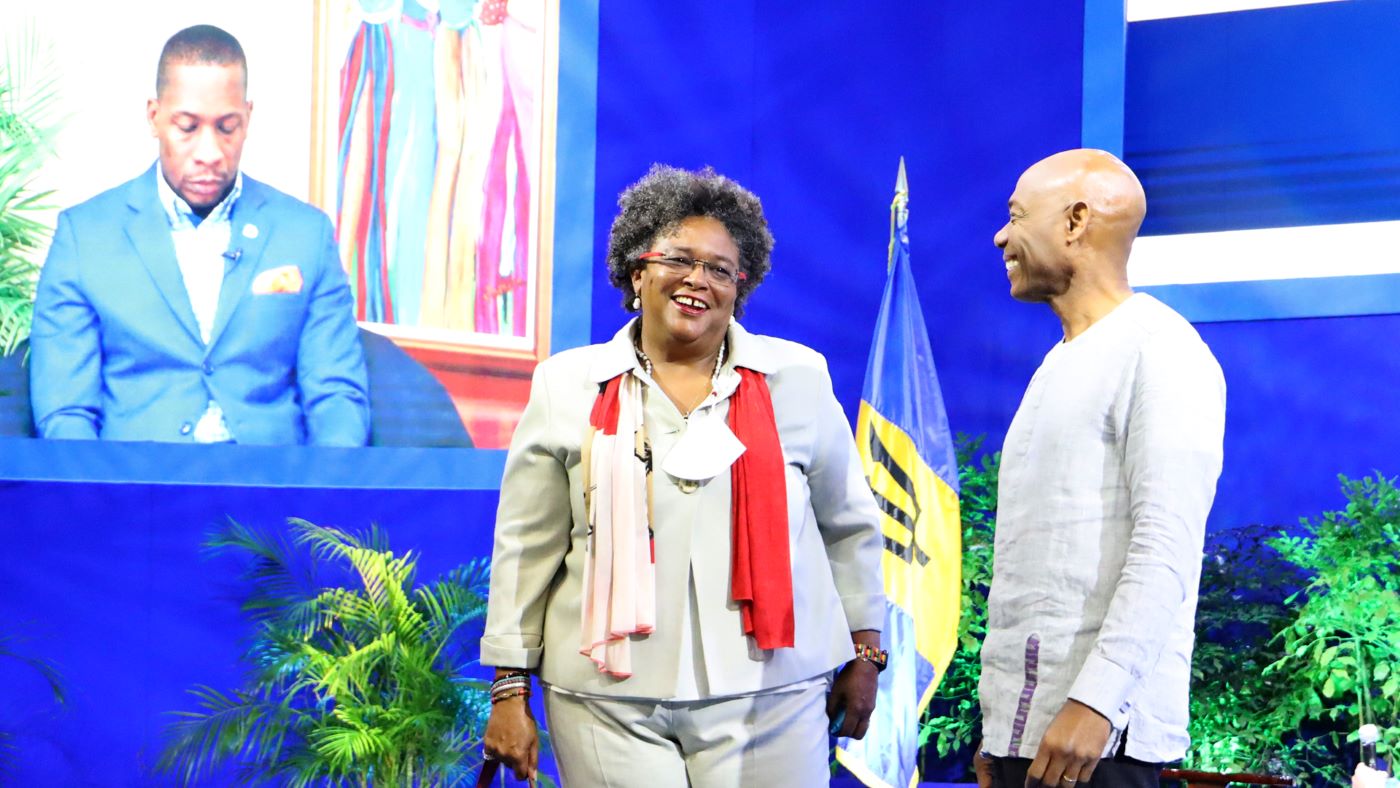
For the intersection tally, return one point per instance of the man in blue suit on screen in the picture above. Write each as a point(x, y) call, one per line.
point(194, 304)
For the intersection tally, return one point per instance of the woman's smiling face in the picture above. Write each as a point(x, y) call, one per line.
point(689, 306)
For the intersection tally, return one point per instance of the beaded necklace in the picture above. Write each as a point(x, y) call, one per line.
point(714, 376)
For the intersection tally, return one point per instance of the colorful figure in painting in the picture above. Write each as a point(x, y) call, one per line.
point(411, 158)
point(366, 88)
point(459, 85)
point(502, 272)
point(437, 160)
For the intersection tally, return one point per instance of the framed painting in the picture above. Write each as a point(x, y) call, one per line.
point(433, 151)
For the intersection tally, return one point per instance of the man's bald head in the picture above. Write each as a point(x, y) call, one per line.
point(1071, 225)
point(1100, 181)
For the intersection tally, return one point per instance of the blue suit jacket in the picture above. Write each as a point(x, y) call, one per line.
point(116, 352)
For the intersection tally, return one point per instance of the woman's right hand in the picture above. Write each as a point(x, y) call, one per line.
point(512, 737)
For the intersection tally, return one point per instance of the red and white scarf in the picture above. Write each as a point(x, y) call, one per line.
point(619, 585)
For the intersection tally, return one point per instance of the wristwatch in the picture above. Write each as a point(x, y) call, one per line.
point(878, 657)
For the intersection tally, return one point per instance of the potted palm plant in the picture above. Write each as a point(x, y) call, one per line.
point(358, 683)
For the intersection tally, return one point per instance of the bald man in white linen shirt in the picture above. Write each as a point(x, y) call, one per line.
point(1107, 475)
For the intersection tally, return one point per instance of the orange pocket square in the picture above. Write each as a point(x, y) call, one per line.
point(283, 279)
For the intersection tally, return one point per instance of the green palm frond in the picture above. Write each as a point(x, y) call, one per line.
point(279, 588)
point(456, 599)
point(29, 71)
point(28, 105)
point(344, 747)
point(347, 684)
point(46, 670)
point(278, 654)
point(350, 610)
point(353, 675)
point(252, 727)
point(43, 667)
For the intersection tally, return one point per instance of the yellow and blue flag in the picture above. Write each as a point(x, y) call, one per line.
point(907, 454)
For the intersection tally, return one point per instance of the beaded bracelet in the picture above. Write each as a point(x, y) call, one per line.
point(509, 691)
point(877, 657)
point(497, 698)
point(511, 679)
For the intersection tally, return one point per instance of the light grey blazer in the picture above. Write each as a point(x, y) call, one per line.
point(698, 648)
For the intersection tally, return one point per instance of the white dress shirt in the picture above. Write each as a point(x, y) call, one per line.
point(201, 246)
point(1107, 475)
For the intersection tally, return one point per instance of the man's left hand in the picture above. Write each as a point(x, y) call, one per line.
point(854, 693)
point(1070, 749)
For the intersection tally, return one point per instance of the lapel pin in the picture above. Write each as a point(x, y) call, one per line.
point(250, 231)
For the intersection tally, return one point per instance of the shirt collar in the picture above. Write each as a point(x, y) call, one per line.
point(179, 212)
point(618, 355)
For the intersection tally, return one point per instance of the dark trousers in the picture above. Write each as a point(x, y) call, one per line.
point(1120, 772)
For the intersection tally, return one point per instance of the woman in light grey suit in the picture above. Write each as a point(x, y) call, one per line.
point(687, 553)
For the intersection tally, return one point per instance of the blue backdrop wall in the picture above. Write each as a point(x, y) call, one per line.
point(812, 111)
point(1275, 118)
point(811, 107)
point(108, 582)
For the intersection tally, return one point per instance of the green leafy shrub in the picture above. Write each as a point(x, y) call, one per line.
point(1339, 656)
point(357, 684)
point(1242, 608)
point(953, 721)
point(1298, 636)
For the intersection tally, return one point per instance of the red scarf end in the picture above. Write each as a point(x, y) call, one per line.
point(778, 634)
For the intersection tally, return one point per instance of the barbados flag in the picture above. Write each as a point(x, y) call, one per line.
point(907, 454)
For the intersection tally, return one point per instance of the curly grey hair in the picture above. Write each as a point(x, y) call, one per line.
point(666, 196)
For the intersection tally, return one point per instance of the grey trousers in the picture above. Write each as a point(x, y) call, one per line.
point(769, 740)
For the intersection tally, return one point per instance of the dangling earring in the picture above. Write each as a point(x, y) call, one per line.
point(636, 303)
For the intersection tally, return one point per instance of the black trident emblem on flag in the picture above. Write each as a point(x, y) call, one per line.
point(910, 552)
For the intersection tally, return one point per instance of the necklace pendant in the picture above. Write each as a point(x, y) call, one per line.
point(687, 486)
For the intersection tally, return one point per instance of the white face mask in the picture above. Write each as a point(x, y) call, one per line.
point(706, 449)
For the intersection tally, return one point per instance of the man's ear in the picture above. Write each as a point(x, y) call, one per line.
point(152, 107)
point(1076, 221)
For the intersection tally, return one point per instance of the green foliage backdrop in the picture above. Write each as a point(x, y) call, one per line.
point(1340, 652)
point(953, 722)
point(1298, 636)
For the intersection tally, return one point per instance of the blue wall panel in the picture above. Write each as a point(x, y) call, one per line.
point(811, 107)
point(1308, 399)
point(1273, 118)
point(1269, 118)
